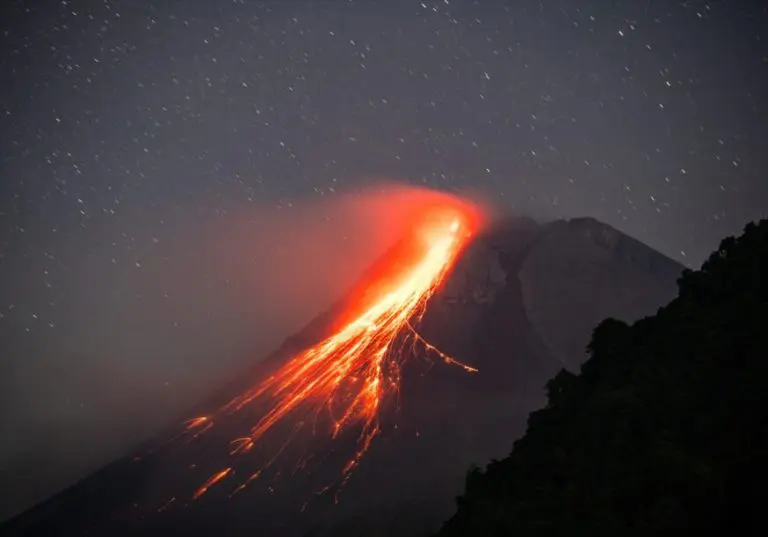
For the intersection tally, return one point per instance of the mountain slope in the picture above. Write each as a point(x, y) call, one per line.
point(495, 311)
point(605, 261)
point(665, 430)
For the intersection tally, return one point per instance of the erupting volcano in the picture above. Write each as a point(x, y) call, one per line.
point(345, 380)
point(354, 393)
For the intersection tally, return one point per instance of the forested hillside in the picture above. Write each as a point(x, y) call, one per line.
point(664, 429)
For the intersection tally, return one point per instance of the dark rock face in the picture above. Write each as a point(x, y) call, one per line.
point(664, 431)
point(520, 305)
point(580, 272)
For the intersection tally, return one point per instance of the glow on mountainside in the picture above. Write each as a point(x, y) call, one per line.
point(351, 373)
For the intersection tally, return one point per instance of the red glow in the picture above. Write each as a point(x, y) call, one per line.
point(215, 478)
point(352, 372)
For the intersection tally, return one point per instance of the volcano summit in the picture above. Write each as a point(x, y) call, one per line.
point(355, 426)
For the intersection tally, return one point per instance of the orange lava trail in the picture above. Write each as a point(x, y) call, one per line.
point(194, 423)
point(241, 445)
point(215, 478)
point(351, 373)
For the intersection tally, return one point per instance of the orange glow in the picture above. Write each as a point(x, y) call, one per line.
point(240, 487)
point(241, 445)
point(194, 423)
point(351, 373)
point(215, 478)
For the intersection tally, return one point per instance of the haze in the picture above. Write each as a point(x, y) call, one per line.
point(147, 335)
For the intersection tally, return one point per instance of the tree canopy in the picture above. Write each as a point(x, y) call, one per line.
point(664, 429)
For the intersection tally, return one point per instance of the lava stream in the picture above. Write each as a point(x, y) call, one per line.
point(215, 478)
point(351, 373)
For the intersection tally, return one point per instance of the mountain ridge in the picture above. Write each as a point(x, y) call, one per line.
point(664, 429)
point(478, 316)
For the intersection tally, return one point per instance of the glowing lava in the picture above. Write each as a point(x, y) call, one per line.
point(350, 374)
point(194, 423)
point(215, 478)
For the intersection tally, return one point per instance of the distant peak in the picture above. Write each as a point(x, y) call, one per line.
point(620, 244)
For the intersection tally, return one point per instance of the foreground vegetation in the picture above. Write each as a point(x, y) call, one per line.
point(665, 429)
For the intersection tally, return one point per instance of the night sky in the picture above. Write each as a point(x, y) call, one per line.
point(157, 158)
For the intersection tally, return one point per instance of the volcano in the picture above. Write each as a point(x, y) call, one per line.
point(367, 420)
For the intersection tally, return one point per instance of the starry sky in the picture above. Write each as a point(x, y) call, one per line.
point(157, 157)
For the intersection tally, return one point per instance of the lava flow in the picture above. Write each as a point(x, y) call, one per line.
point(350, 374)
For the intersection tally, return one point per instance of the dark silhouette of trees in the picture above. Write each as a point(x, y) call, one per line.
point(665, 429)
